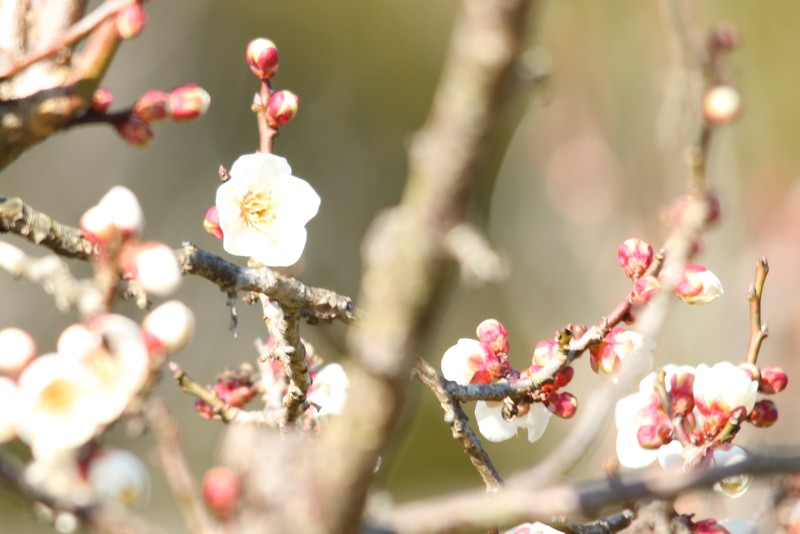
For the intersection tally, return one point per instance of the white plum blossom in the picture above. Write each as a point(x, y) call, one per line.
point(698, 285)
point(620, 345)
point(169, 327)
point(533, 528)
point(118, 475)
point(461, 361)
point(734, 486)
point(263, 210)
point(722, 388)
point(59, 475)
point(329, 389)
point(494, 427)
point(17, 349)
point(9, 396)
point(156, 268)
point(57, 410)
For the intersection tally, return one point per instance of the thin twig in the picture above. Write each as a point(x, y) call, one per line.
point(758, 330)
point(459, 423)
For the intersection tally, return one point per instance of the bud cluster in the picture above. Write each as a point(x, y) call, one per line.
point(278, 107)
point(183, 103)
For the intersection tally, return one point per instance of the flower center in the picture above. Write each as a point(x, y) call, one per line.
point(258, 207)
point(59, 396)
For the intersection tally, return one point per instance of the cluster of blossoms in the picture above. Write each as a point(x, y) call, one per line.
point(63, 401)
point(687, 417)
point(696, 285)
point(238, 387)
point(485, 361)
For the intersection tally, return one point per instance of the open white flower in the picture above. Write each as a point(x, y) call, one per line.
point(493, 427)
point(329, 389)
point(263, 210)
point(118, 475)
point(722, 388)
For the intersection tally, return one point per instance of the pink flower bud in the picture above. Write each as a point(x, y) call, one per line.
point(634, 256)
point(654, 435)
point(544, 352)
point(564, 376)
point(135, 131)
point(698, 285)
point(262, 56)
point(564, 406)
point(17, 350)
point(131, 21)
point(122, 208)
point(235, 392)
point(188, 102)
point(764, 414)
point(168, 328)
point(773, 380)
point(101, 100)
point(493, 335)
point(644, 289)
point(282, 108)
point(211, 222)
point(155, 266)
point(721, 104)
point(222, 489)
point(152, 106)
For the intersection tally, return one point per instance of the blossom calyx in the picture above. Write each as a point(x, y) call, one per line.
point(262, 56)
point(698, 285)
point(634, 256)
point(773, 380)
point(135, 131)
point(188, 102)
point(152, 106)
point(493, 335)
point(281, 108)
point(764, 414)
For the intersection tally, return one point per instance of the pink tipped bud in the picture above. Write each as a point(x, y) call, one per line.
point(564, 406)
point(282, 108)
point(544, 352)
point(721, 104)
point(773, 380)
point(155, 266)
point(101, 100)
point(188, 102)
point(222, 489)
point(234, 392)
point(644, 289)
point(698, 285)
point(122, 208)
point(493, 335)
point(152, 106)
point(764, 414)
point(17, 350)
point(262, 56)
point(634, 256)
point(211, 222)
point(131, 21)
point(135, 131)
point(168, 328)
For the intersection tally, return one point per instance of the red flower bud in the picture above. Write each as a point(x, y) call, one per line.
point(634, 256)
point(262, 56)
point(493, 335)
point(101, 100)
point(135, 131)
point(152, 106)
point(564, 406)
point(773, 380)
point(282, 108)
point(188, 102)
point(643, 289)
point(544, 352)
point(564, 376)
point(131, 21)
point(764, 414)
point(211, 222)
point(222, 489)
point(654, 436)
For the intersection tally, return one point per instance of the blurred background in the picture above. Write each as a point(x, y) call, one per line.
point(592, 159)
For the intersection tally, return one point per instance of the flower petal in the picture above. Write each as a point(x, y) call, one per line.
point(491, 423)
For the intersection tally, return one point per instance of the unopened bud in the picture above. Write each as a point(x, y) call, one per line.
point(721, 104)
point(234, 392)
point(222, 489)
point(17, 350)
point(168, 328)
point(101, 100)
point(564, 376)
point(282, 108)
point(773, 380)
point(211, 222)
point(764, 414)
point(493, 335)
point(724, 38)
point(644, 289)
point(188, 102)
point(122, 207)
point(544, 352)
point(155, 266)
point(564, 406)
point(634, 256)
point(152, 106)
point(698, 285)
point(131, 21)
point(204, 410)
point(654, 436)
point(135, 131)
point(262, 56)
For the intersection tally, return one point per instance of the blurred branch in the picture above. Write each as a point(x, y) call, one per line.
point(16, 217)
point(758, 330)
point(516, 504)
point(459, 423)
